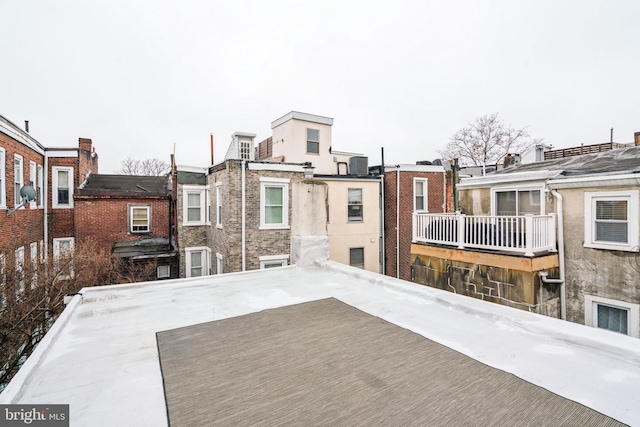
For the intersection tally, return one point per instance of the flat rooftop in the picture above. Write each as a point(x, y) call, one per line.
point(322, 344)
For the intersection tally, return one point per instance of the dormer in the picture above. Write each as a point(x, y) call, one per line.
point(241, 147)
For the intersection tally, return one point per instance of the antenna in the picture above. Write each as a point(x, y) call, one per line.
point(27, 194)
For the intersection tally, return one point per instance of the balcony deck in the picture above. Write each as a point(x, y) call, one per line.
point(527, 235)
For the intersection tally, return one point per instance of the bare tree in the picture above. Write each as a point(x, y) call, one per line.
point(151, 167)
point(487, 140)
point(32, 295)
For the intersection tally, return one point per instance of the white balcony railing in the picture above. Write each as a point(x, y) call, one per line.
point(524, 234)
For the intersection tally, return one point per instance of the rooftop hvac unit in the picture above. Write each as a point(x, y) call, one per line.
point(359, 165)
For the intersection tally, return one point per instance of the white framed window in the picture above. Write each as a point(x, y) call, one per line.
point(139, 219)
point(63, 248)
point(356, 257)
point(62, 178)
point(420, 195)
point(194, 203)
point(613, 315)
point(219, 204)
point(245, 149)
point(18, 178)
point(33, 182)
point(516, 202)
point(274, 203)
point(39, 191)
point(219, 264)
point(313, 141)
point(163, 271)
point(19, 257)
point(3, 179)
point(197, 261)
point(354, 204)
point(33, 249)
point(611, 220)
point(273, 261)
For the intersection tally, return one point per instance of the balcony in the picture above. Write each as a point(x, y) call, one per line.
point(527, 235)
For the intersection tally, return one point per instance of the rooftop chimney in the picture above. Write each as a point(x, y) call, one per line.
point(26, 126)
point(636, 139)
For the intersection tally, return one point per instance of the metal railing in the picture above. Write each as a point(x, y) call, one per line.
point(522, 234)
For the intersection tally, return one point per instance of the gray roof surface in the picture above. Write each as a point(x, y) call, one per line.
point(623, 160)
point(125, 185)
point(327, 363)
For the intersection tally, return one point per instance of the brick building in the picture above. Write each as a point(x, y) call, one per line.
point(131, 216)
point(410, 189)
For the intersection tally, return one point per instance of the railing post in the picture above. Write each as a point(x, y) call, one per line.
point(528, 234)
point(461, 226)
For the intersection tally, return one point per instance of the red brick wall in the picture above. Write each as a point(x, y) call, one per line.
point(106, 220)
point(26, 225)
point(439, 200)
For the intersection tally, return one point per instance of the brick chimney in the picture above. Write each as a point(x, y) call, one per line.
point(88, 158)
point(84, 144)
point(636, 139)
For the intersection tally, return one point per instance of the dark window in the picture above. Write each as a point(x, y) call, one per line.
point(313, 141)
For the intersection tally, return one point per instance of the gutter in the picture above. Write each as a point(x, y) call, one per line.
point(397, 221)
point(244, 245)
point(45, 203)
point(544, 274)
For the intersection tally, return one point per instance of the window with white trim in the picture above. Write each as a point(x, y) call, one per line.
point(515, 202)
point(420, 195)
point(163, 272)
point(62, 193)
point(19, 257)
point(63, 251)
point(245, 149)
point(611, 220)
point(354, 204)
point(32, 182)
point(197, 261)
point(219, 264)
point(139, 219)
point(274, 203)
point(219, 204)
point(356, 257)
point(18, 178)
point(194, 201)
point(313, 141)
point(39, 194)
point(33, 249)
point(3, 179)
point(613, 315)
point(273, 261)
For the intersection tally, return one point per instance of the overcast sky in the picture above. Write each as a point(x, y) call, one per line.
point(138, 76)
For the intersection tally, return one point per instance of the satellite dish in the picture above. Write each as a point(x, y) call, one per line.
point(28, 192)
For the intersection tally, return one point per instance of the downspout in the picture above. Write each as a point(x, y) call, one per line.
point(45, 203)
point(244, 163)
point(382, 219)
point(397, 221)
point(561, 280)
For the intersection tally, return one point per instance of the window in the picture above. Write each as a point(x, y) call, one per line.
point(32, 182)
point(62, 187)
point(612, 315)
point(219, 205)
point(194, 204)
point(163, 271)
point(140, 219)
point(518, 202)
point(33, 248)
point(356, 257)
point(245, 150)
point(273, 261)
point(313, 141)
point(197, 261)
point(611, 220)
point(354, 205)
point(419, 195)
point(219, 264)
point(19, 257)
point(39, 197)
point(18, 178)
point(63, 251)
point(3, 179)
point(274, 203)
